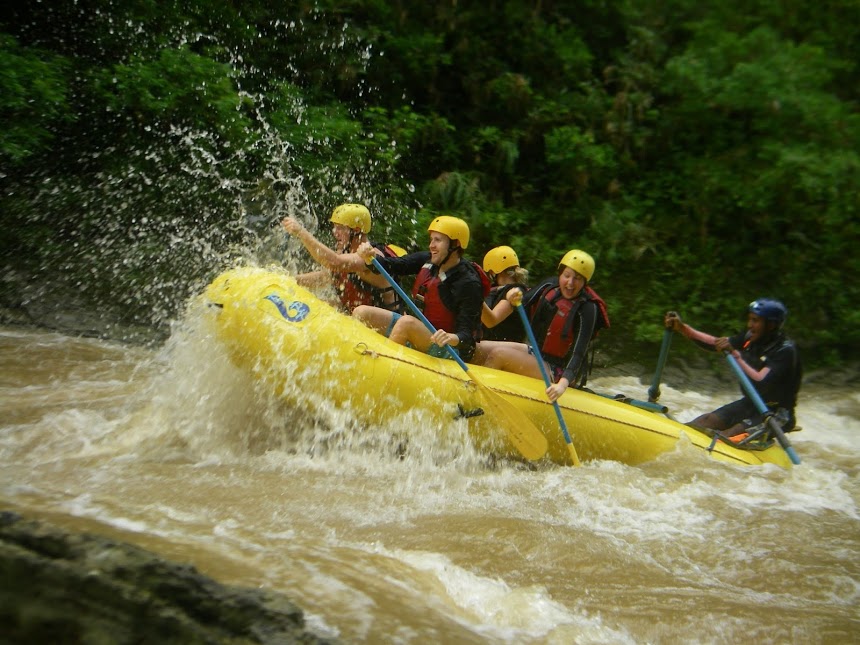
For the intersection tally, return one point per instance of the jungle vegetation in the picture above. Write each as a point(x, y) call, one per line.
point(704, 152)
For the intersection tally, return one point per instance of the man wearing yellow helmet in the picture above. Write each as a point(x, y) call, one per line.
point(502, 265)
point(565, 314)
point(448, 288)
point(350, 225)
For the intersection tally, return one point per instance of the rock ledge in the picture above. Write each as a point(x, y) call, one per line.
point(58, 587)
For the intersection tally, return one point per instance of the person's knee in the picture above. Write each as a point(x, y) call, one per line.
point(404, 325)
point(361, 312)
point(709, 420)
point(397, 330)
point(411, 323)
point(491, 358)
point(736, 429)
point(480, 356)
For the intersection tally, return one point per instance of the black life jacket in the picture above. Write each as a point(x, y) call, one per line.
point(775, 393)
point(511, 328)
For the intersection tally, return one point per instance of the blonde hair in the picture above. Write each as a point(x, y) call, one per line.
point(519, 275)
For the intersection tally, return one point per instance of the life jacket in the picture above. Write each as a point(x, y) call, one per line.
point(425, 293)
point(553, 317)
point(353, 291)
point(511, 328)
point(774, 393)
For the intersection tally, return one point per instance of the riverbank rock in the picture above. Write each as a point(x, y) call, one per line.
point(59, 587)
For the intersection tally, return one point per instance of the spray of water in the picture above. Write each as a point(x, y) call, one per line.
point(142, 217)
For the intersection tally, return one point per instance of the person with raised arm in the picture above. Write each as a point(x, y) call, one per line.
point(768, 358)
point(354, 286)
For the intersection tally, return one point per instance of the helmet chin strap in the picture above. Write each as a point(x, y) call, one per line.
point(451, 249)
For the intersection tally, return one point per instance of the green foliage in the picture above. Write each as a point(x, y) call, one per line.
point(409, 141)
point(577, 161)
point(178, 85)
point(453, 193)
point(705, 153)
point(320, 134)
point(33, 98)
point(769, 161)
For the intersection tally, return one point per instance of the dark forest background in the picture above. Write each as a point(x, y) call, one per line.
point(706, 153)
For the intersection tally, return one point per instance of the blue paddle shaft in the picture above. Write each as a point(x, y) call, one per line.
point(762, 408)
point(542, 367)
point(415, 310)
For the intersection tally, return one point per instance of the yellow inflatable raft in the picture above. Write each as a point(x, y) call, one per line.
point(285, 334)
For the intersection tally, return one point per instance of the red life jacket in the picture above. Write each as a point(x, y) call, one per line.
point(486, 283)
point(353, 291)
point(425, 293)
point(561, 314)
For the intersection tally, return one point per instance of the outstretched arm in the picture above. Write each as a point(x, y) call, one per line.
point(319, 251)
point(723, 345)
point(332, 260)
point(672, 320)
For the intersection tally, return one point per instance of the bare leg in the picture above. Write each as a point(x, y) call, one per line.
point(410, 329)
point(513, 357)
point(482, 351)
point(709, 421)
point(376, 318)
point(738, 428)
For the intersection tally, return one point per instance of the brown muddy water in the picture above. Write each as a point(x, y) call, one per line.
point(176, 450)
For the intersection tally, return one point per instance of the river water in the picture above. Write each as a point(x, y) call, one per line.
point(176, 450)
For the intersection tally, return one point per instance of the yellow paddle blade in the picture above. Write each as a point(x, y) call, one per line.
point(522, 433)
point(574, 458)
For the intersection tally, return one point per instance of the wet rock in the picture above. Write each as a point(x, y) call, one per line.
point(60, 587)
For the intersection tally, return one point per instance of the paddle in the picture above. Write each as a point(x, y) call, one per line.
point(574, 458)
point(762, 408)
point(654, 390)
point(525, 437)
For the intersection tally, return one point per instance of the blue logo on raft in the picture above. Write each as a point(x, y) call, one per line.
point(296, 311)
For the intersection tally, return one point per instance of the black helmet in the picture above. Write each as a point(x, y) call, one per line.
point(770, 310)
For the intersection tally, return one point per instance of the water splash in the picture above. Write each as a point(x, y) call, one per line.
point(136, 226)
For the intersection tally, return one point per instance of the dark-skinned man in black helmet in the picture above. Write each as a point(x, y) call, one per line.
point(767, 357)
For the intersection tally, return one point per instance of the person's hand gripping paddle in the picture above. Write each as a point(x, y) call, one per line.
point(523, 434)
point(762, 408)
point(517, 300)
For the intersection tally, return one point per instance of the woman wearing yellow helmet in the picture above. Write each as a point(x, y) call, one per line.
point(565, 314)
point(350, 225)
point(502, 265)
point(447, 287)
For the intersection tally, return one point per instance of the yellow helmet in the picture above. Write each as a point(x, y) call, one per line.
point(453, 227)
point(399, 251)
point(499, 259)
point(579, 261)
point(352, 216)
